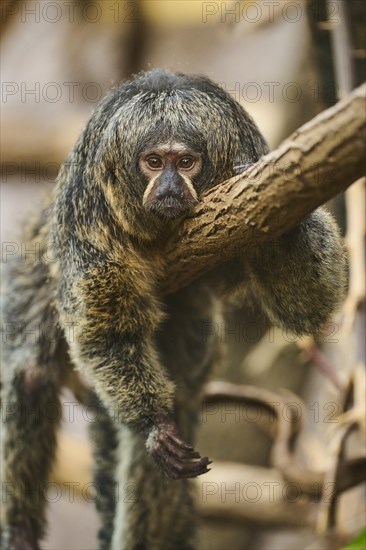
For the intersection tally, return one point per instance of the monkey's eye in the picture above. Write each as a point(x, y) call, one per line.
point(154, 162)
point(186, 163)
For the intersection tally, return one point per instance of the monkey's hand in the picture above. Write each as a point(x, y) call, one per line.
point(178, 459)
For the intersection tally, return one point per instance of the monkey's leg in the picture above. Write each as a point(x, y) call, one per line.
point(104, 435)
point(30, 415)
point(32, 359)
point(153, 512)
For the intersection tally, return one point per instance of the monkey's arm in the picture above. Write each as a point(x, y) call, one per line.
point(300, 278)
point(114, 319)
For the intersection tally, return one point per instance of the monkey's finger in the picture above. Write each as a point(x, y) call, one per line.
point(179, 452)
point(180, 442)
point(189, 469)
point(169, 455)
point(192, 467)
point(205, 461)
point(202, 468)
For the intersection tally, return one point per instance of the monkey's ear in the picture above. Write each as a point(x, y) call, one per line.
point(239, 168)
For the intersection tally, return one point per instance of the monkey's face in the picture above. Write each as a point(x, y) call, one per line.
point(170, 171)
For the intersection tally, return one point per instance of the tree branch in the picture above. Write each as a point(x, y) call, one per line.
point(285, 411)
point(321, 159)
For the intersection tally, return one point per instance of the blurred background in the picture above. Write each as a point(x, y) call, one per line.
point(285, 62)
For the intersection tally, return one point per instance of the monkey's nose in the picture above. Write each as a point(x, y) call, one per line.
point(169, 190)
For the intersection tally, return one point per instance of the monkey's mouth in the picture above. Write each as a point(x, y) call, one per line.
point(170, 208)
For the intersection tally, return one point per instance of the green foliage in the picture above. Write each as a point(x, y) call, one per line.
point(358, 543)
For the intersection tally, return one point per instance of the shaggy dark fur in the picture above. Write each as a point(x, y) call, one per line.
point(94, 290)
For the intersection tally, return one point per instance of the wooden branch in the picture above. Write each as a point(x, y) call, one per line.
point(311, 482)
point(321, 159)
point(242, 493)
point(231, 492)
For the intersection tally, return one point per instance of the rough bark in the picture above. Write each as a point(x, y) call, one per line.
point(318, 161)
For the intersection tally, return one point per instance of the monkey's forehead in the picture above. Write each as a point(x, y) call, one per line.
point(170, 103)
point(170, 146)
point(180, 117)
